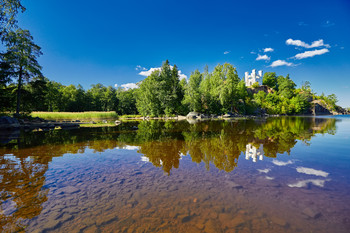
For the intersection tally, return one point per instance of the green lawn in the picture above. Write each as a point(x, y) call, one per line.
point(74, 115)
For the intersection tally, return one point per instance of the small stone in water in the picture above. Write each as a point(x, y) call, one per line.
point(311, 213)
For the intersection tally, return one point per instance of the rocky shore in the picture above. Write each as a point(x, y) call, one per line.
point(11, 123)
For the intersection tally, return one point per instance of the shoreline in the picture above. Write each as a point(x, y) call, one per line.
point(44, 125)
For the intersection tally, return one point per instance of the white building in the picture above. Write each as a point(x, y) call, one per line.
point(254, 153)
point(254, 77)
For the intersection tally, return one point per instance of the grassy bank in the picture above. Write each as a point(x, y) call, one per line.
point(130, 116)
point(74, 115)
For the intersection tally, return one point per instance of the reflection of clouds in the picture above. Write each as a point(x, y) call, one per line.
point(182, 155)
point(264, 170)
point(130, 147)
point(146, 159)
point(269, 178)
point(281, 163)
point(304, 183)
point(311, 171)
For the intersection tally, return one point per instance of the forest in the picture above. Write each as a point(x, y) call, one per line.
point(24, 88)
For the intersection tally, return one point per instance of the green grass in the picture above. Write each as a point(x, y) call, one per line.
point(130, 116)
point(74, 115)
point(97, 125)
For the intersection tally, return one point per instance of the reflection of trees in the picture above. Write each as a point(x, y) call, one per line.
point(164, 154)
point(21, 191)
point(221, 143)
point(216, 142)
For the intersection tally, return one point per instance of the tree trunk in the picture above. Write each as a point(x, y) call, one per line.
point(19, 90)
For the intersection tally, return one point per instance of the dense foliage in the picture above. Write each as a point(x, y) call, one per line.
point(162, 93)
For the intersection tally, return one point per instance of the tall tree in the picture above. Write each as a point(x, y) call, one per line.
point(160, 93)
point(286, 86)
point(21, 56)
point(229, 96)
point(8, 12)
point(193, 96)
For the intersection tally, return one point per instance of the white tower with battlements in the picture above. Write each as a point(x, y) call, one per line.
point(253, 78)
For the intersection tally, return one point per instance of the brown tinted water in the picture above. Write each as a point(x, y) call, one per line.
point(274, 175)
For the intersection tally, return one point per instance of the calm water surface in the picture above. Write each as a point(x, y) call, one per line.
point(286, 174)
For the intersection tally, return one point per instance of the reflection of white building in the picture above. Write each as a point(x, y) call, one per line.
point(254, 153)
point(252, 78)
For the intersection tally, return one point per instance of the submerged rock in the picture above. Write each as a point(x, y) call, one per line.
point(311, 213)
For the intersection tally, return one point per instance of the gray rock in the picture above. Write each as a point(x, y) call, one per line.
point(193, 115)
point(311, 213)
point(232, 184)
point(8, 122)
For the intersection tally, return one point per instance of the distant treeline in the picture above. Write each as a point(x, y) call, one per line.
point(162, 93)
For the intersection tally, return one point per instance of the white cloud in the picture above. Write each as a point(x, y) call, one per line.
point(144, 159)
point(268, 50)
point(150, 71)
point(304, 183)
point(315, 44)
point(127, 147)
point(264, 170)
point(281, 63)
point(311, 171)
point(281, 163)
point(138, 67)
point(182, 76)
point(115, 85)
point(302, 24)
point(227, 52)
point(252, 52)
point(269, 178)
point(128, 86)
point(311, 53)
point(263, 57)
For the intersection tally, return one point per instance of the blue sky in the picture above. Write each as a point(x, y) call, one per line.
point(88, 42)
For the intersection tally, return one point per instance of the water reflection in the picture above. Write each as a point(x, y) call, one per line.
point(21, 191)
point(24, 161)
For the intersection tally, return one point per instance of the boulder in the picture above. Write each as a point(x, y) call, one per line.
point(229, 115)
point(193, 115)
point(318, 108)
point(8, 123)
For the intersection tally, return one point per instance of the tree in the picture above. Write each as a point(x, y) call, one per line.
point(229, 94)
point(126, 101)
point(270, 80)
point(53, 97)
point(8, 12)
point(160, 93)
point(286, 86)
point(147, 101)
point(21, 57)
point(37, 91)
point(192, 93)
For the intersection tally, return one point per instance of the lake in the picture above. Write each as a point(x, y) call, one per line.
point(285, 174)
